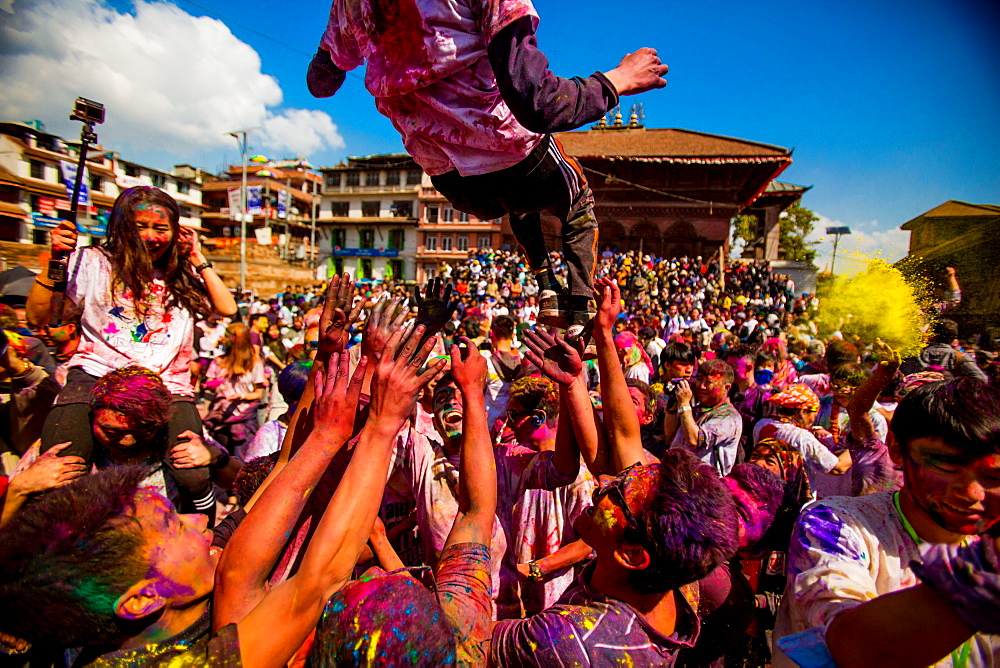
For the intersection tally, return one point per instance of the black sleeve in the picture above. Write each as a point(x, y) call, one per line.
point(541, 101)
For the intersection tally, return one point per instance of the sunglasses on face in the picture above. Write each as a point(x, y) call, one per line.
point(616, 486)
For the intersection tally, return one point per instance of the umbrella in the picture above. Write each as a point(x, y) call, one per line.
point(16, 283)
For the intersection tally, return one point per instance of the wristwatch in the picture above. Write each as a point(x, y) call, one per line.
point(535, 572)
point(201, 267)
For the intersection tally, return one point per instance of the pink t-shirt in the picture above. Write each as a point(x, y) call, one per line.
point(429, 72)
point(113, 334)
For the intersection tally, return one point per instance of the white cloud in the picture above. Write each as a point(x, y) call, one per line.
point(169, 80)
point(858, 248)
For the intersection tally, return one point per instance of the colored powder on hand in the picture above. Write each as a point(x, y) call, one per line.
point(879, 302)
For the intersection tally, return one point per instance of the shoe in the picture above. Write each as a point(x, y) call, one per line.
point(552, 311)
point(583, 310)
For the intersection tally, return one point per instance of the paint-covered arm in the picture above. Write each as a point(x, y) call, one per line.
point(866, 394)
point(562, 363)
point(568, 555)
point(541, 101)
point(477, 479)
point(622, 423)
point(254, 549)
point(334, 329)
point(913, 627)
point(347, 522)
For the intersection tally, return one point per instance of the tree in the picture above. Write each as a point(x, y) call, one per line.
point(745, 228)
point(796, 224)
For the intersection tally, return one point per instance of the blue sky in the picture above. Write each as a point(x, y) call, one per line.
point(891, 108)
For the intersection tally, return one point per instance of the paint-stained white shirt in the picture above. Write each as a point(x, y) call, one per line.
point(846, 551)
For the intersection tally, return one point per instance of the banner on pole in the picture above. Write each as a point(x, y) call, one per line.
point(69, 175)
point(235, 203)
point(255, 200)
point(282, 204)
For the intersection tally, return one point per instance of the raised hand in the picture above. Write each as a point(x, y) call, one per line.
point(337, 396)
point(398, 379)
point(638, 72)
point(335, 323)
point(469, 371)
point(63, 237)
point(556, 358)
point(609, 303)
point(889, 359)
point(386, 317)
point(436, 305)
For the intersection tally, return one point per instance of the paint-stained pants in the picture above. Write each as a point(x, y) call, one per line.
point(549, 181)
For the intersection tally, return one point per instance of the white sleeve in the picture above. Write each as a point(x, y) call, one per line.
point(812, 449)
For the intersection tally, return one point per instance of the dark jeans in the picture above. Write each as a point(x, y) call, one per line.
point(72, 422)
point(549, 181)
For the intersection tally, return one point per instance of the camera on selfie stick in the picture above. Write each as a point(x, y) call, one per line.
point(90, 113)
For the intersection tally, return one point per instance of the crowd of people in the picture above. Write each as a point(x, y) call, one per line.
point(706, 475)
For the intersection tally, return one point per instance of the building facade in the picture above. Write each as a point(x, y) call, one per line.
point(369, 217)
point(447, 235)
point(961, 235)
point(36, 185)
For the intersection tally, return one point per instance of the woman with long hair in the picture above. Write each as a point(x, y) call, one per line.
point(138, 295)
point(238, 380)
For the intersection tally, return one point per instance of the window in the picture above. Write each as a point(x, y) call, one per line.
point(37, 169)
point(367, 238)
point(338, 266)
point(484, 241)
point(446, 242)
point(371, 178)
point(39, 237)
point(365, 268)
point(338, 238)
point(396, 270)
point(447, 214)
point(342, 209)
point(371, 209)
point(432, 213)
point(462, 242)
point(463, 217)
point(402, 209)
point(158, 180)
point(185, 211)
point(333, 180)
point(413, 177)
point(96, 183)
point(183, 188)
point(131, 170)
point(397, 238)
point(430, 242)
point(392, 178)
point(353, 178)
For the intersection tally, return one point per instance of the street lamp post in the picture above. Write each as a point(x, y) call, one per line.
point(837, 232)
point(241, 139)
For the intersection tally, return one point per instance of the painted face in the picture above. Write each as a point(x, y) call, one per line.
point(765, 457)
point(742, 368)
point(153, 223)
point(601, 526)
point(754, 520)
point(959, 494)
point(709, 389)
point(177, 548)
point(448, 410)
point(113, 431)
point(639, 401)
point(676, 369)
point(842, 392)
